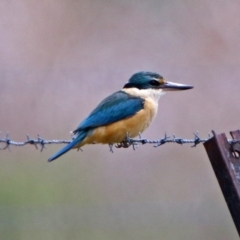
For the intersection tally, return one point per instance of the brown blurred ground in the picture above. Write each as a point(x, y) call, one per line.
point(58, 59)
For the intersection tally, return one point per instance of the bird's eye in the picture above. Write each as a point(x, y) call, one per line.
point(154, 83)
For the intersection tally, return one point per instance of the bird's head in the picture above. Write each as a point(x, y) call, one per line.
point(149, 80)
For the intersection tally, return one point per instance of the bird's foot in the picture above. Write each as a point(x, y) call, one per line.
point(124, 144)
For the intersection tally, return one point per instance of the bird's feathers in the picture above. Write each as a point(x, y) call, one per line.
point(68, 147)
point(117, 106)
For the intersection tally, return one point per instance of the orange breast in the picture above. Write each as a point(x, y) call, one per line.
point(117, 132)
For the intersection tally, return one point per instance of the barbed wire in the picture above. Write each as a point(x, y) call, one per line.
point(41, 142)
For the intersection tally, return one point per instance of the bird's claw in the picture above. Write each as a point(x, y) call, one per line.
point(124, 144)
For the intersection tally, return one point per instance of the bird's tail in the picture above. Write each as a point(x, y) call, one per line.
point(68, 147)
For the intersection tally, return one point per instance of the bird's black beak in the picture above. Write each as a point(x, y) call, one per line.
point(171, 86)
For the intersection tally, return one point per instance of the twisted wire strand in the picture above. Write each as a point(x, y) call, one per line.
point(41, 142)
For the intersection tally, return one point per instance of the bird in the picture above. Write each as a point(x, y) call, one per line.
point(125, 113)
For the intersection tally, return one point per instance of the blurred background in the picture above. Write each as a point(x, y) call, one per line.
point(58, 59)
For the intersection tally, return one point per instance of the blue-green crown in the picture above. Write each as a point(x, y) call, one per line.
point(143, 80)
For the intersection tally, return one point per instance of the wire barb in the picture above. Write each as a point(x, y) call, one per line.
point(111, 147)
point(31, 141)
point(7, 141)
point(41, 141)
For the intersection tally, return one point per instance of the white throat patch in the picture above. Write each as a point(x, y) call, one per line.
point(153, 94)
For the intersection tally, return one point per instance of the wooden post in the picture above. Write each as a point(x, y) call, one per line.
point(225, 160)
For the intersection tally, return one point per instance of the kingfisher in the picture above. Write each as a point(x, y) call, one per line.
point(125, 113)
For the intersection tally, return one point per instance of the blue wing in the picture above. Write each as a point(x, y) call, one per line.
point(117, 106)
